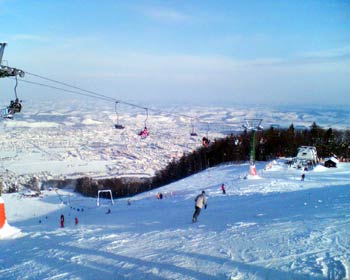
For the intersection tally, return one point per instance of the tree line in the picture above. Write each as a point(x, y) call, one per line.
point(269, 144)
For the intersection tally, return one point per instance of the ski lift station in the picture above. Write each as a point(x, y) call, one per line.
point(306, 157)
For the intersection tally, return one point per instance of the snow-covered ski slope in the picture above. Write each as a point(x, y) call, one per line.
point(276, 227)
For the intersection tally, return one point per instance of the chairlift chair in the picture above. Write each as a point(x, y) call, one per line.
point(144, 132)
point(118, 125)
point(6, 71)
point(205, 140)
point(15, 105)
point(193, 133)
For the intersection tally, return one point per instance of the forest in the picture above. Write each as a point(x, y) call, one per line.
point(269, 144)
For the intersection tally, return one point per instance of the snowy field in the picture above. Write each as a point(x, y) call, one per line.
point(276, 227)
point(73, 138)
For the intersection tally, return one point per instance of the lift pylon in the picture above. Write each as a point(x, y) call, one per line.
point(7, 71)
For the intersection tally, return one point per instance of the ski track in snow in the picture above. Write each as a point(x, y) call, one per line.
point(273, 228)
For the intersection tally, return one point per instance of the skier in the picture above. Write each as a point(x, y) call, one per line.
point(201, 201)
point(223, 189)
point(303, 176)
point(76, 221)
point(62, 220)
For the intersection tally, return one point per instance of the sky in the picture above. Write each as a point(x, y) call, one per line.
point(194, 52)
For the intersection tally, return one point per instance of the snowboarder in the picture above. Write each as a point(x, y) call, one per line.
point(223, 189)
point(62, 220)
point(303, 176)
point(201, 201)
point(76, 221)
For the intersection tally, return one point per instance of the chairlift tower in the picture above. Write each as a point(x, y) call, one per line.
point(7, 71)
point(253, 125)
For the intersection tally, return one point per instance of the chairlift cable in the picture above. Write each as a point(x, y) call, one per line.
point(117, 125)
point(106, 98)
point(80, 90)
point(146, 117)
point(68, 85)
point(97, 95)
point(62, 89)
point(116, 111)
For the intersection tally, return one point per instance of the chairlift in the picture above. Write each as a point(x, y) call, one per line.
point(253, 124)
point(118, 125)
point(144, 132)
point(205, 140)
point(6, 71)
point(15, 105)
point(193, 133)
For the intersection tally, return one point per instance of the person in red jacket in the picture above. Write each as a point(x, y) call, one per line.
point(223, 189)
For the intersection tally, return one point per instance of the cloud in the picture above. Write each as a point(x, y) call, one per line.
point(164, 14)
point(28, 37)
point(310, 77)
point(339, 55)
point(329, 54)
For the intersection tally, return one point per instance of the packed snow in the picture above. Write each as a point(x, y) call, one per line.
point(274, 227)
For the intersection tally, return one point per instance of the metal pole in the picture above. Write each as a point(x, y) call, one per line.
point(252, 125)
point(252, 148)
point(2, 48)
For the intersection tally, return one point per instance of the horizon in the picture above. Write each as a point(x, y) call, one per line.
point(335, 116)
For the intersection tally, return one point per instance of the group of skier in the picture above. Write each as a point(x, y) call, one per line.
point(76, 221)
point(200, 202)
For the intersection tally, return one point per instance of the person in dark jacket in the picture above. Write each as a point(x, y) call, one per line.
point(62, 220)
point(200, 201)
